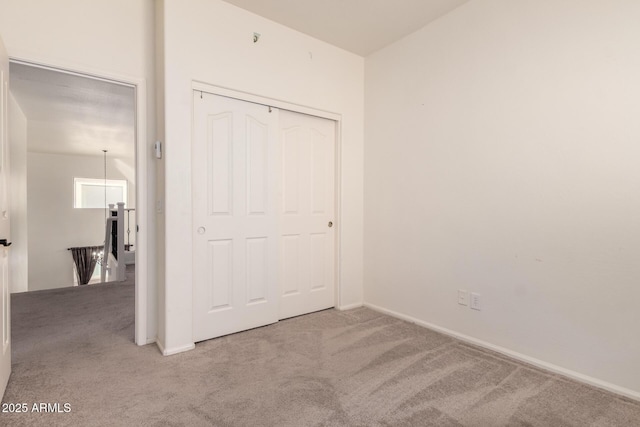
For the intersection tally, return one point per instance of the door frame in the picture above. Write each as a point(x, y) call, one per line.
point(141, 154)
point(199, 86)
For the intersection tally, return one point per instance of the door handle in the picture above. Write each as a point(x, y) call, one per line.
point(4, 242)
point(330, 224)
point(201, 230)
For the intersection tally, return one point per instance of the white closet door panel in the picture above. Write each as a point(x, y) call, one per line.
point(235, 162)
point(307, 207)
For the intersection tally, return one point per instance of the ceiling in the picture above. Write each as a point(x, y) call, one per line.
point(72, 114)
point(359, 26)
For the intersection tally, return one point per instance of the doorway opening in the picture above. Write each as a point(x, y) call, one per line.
point(77, 156)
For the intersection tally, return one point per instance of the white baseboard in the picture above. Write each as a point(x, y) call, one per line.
point(160, 346)
point(176, 350)
point(147, 341)
point(632, 394)
point(349, 306)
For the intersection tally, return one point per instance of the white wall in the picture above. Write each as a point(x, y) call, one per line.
point(160, 169)
point(502, 147)
point(54, 224)
point(212, 41)
point(18, 258)
point(110, 38)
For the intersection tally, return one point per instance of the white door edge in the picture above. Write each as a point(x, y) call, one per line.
point(5, 225)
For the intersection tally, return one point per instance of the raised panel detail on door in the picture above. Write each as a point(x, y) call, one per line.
point(221, 274)
point(257, 285)
point(235, 177)
point(307, 266)
point(257, 162)
point(219, 155)
point(318, 243)
point(291, 169)
point(319, 166)
point(290, 277)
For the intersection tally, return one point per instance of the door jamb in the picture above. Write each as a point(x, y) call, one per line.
point(141, 154)
point(199, 86)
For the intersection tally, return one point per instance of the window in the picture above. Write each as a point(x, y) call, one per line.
point(90, 193)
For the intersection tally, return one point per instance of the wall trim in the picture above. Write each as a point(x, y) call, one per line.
point(199, 86)
point(175, 350)
point(351, 306)
point(632, 394)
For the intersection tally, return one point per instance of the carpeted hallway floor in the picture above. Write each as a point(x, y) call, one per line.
point(331, 368)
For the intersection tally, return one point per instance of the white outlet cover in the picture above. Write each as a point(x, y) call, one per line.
point(463, 297)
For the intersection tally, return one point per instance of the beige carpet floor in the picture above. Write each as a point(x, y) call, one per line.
point(331, 368)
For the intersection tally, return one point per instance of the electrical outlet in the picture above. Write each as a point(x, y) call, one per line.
point(463, 297)
point(475, 301)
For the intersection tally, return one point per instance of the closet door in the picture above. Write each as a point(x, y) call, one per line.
point(235, 215)
point(307, 214)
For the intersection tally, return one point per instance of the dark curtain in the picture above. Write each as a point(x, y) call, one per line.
point(114, 238)
point(85, 263)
